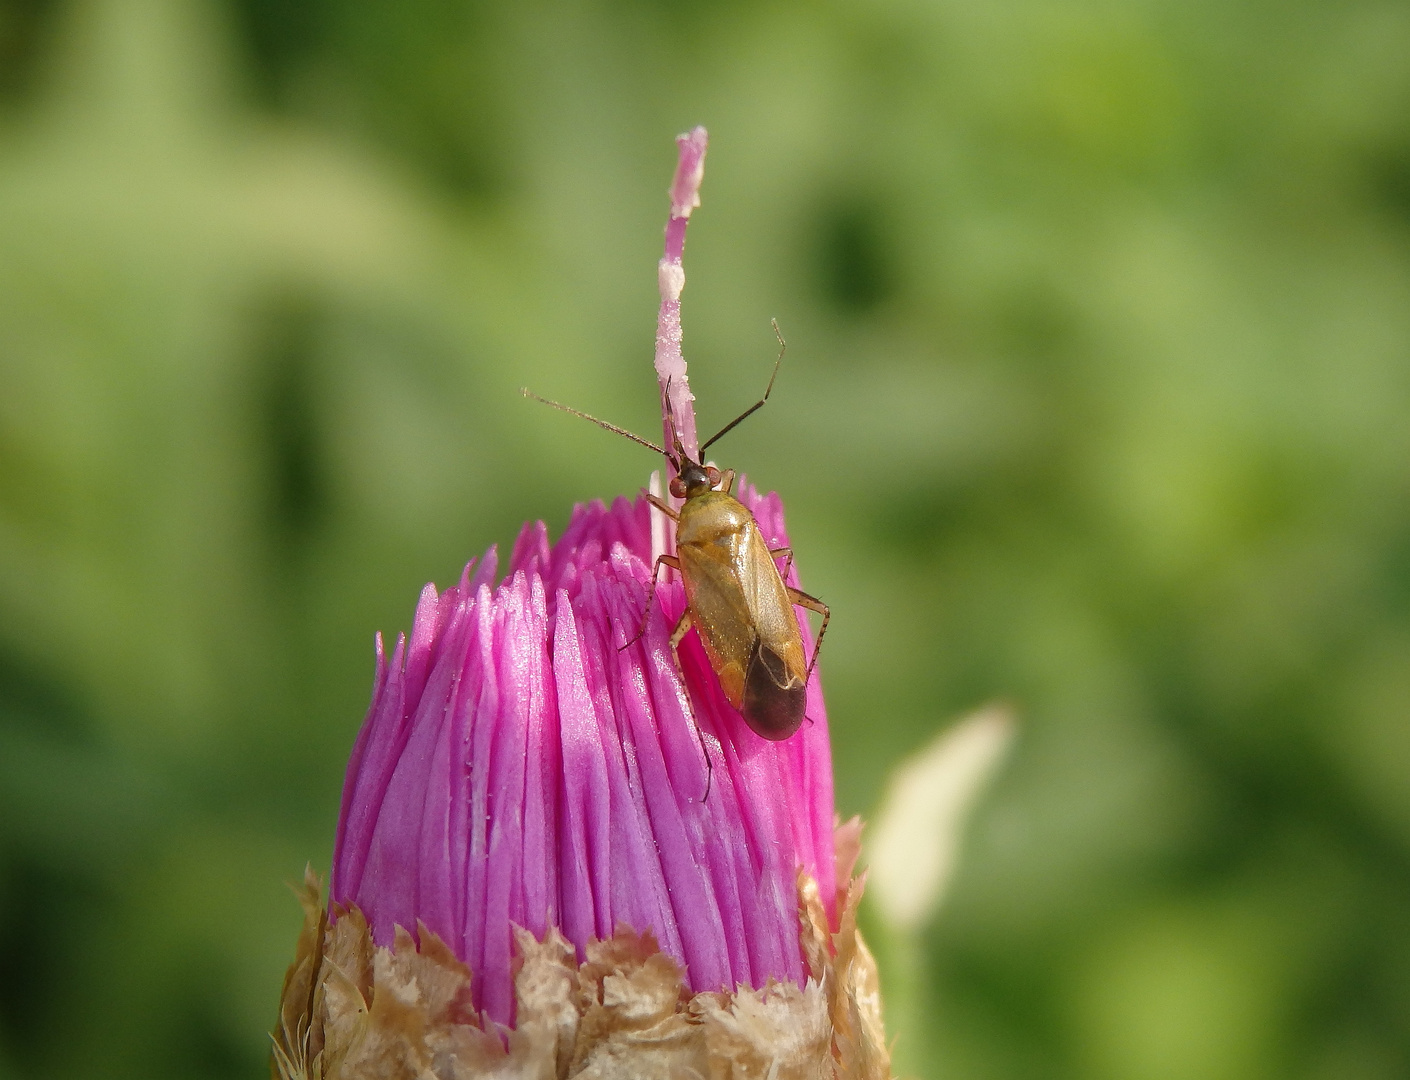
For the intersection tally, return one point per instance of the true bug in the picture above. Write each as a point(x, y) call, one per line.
point(735, 596)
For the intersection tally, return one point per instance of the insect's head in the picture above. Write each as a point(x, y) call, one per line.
point(693, 480)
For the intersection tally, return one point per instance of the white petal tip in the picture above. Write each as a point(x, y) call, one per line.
point(914, 839)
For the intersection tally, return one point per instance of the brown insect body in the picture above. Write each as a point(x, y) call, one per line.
point(735, 596)
point(738, 602)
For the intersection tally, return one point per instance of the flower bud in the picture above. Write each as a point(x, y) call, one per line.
point(556, 851)
point(562, 852)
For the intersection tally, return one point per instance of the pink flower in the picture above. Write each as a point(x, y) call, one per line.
point(518, 768)
point(562, 851)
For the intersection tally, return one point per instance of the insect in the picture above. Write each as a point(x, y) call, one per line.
point(735, 596)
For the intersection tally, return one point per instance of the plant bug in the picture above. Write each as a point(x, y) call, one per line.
point(735, 596)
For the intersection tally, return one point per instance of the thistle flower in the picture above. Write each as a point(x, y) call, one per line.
point(561, 856)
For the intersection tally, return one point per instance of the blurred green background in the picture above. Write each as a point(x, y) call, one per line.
point(1097, 399)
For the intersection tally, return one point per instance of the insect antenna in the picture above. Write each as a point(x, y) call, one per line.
point(600, 423)
point(681, 455)
point(782, 345)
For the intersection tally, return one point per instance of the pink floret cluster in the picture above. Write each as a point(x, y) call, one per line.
point(517, 767)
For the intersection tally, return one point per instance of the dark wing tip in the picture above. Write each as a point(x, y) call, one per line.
point(774, 698)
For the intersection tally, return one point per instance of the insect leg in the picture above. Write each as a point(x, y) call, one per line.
point(674, 563)
point(783, 553)
point(683, 626)
point(663, 506)
point(812, 603)
point(727, 481)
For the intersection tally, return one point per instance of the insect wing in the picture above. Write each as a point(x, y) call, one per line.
point(769, 606)
point(720, 609)
point(741, 608)
point(775, 682)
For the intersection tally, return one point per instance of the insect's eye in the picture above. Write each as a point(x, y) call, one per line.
point(713, 474)
point(677, 487)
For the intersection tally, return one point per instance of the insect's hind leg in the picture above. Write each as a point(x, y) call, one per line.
point(674, 564)
point(812, 603)
point(783, 553)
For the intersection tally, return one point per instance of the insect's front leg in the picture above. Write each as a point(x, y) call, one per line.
point(812, 603)
point(727, 481)
point(674, 564)
point(663, 506)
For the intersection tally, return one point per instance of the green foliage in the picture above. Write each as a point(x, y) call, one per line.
point(1099, 318)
